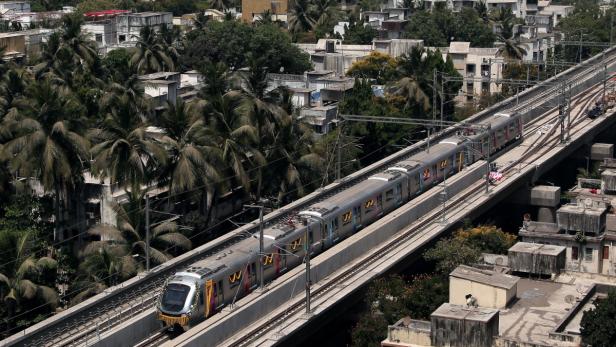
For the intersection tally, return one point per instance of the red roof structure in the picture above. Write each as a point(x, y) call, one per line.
point(105, 13)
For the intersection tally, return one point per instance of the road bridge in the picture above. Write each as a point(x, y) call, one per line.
point(128, 306)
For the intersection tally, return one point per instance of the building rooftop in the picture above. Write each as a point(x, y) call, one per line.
point(157, 75)
point(477, 314)
point(537, 248)
point(490, 278)
point(459, 47)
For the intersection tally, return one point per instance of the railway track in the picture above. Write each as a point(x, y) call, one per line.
point(326, 288)
point(126, 303)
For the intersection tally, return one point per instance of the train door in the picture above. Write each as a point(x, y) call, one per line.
point(281, 261)
point(219, 295)
point(398, 193)
point(379, 204)
point(413, 186)
point(356, 218)
point(251, 271)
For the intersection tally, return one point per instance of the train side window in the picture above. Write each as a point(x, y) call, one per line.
point(234, 278)
point(267, 260)
point(443, 164)
point(336, 224)
point(389, 195)
point(347, 217)
point(253, 268)
point(296, 245)
point(369, 205)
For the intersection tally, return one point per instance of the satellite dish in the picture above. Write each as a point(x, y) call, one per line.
point(588, 202)
point(570, 299)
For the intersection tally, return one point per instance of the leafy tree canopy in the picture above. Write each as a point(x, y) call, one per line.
point(598, 326)
point(377, 66)
point(234, 43)
point(439, 27)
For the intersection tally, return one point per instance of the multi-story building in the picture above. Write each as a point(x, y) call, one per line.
point(129, 25)
point(112, 29)
point(14, 6)
point(520, 8)
point(251, 10)
point(480, 67)
point(23, 44)
point(587, 225)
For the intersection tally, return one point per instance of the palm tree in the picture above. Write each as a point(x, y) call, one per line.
point(192, 156)
point(482, 11)
point(504, 18)
point(103, 265)
point(512, 49)
point(73, 39)
point(234, 135)
point(410, 89)
point(46, 139)
point(130, 234)
point(324, 10)
point(293, 161)
point(215, 79)
point(124, 151)
point(20, 280)
point(152, 54)
point(300, 19)
point(220, 5)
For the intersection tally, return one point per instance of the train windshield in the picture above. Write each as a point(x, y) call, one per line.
point(174, 297)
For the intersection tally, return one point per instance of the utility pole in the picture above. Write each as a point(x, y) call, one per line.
point(147, 233)
point(434, 95)
point(580, 48)
point(604, 109)
point(261, 250)
point(488, 162)
point(612, 29)
point(338, 153)
point(442, 102)
point(308, 249)
point(444, 198)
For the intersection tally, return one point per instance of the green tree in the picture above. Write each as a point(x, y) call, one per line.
point(441, 26)
point(377, 66)
point(588, 22)
point(124, 151)
point(192, 157)
point(369, 331)
point(234, 43)
point(21, 283)
point(300, 16)
point(447, 254)
point(487, 238)
point(46, 141)
point(598, 327)
point(151, 53)
point(129, 235)
point(234, 134)
point(425, 294)
point(102, 266)
point(357, 33)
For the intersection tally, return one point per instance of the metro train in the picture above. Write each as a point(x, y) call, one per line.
point(191, 295)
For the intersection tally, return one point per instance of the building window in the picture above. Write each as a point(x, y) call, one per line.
point(588, 254)
point(606, 252)
point(99, 38)
point(574, 253)
point(122, 38)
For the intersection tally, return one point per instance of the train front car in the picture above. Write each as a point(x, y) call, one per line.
point(178, 302)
